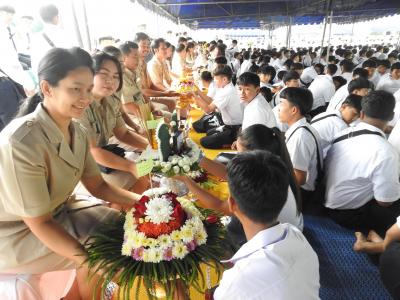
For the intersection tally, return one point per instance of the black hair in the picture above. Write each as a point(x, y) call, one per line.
point(360, 72)
point(167, 44)
point(246, 55)
point(234, 41)
point(320, 67)
point(290, 75)
point(182, 40)
point(331, 68)
point(53, 68)
point(358, 83)
point(297, 66)
point(180, 47)
point(353, 100)
point(48, 12)
point(288, 63)
point(98, 60)
point(369, 64)
point(378, 105)
point(223, 70)
point(258, 182)
point(395, 66)
point(392, 54)
point(340, 80)
point(113, 51)
point(8, 9)
point(127, 47)
point(281, 74)
point(300, 97)
point(254, 68)
point(267, 70)
point(220, 50)
point(384, 63)
point(266, 93)
point(347, 66)
point(155, 44)
point(236, 54)
point(249, 78)
point(141, 36)
point(221, 60)
point(190, 45)
point(206, 76)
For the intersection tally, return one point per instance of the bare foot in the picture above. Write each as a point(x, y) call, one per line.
point(374, 237)
point(360, 242)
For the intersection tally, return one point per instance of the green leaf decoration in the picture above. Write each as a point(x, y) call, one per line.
point(164, 138)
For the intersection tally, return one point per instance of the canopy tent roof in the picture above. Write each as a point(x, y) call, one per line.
point(259, 13)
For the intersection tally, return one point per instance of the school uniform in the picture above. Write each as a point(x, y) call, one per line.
point(99, 120)
point(131, 88)
point(42, 172)
point(277, 263)
point(227, 102)
point(323, 90)
point(246, 64)
point(360, 169)
point(347, 75)
point(396, 116)
point(258, 111)
point(375, 78)
point(328, 125)
point(338, 98)
point(308, 75)
point(304, 149)
point(388, 84)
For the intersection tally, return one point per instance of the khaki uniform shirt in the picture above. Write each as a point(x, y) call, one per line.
point(144, 76)
point(131, 89)
point(39, 172)
point(101, 118)
point(159, 72)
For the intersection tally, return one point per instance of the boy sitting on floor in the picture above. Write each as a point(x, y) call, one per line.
point(277, 262)
point(227, 101)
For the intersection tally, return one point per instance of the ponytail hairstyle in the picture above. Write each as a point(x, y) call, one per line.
point(100, 57)
point(261, 137)
point(53, 68)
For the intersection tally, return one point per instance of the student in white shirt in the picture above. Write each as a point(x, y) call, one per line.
point(390, 82)
point(290, 79)
point(370, 65)
point(308, 74)
point(227, 102)
point(323, 90)
point(383, 66)
point(302, 141)
point(256, 109)
point(235, 63)
point(277, 262)
point(267, 74)
point(329, 124)
point(362, 170)
point(346, 67)
point(359, 86)
point(246, 64)
point(389, 260)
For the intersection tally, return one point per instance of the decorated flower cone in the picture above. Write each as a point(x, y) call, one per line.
point(162, 239)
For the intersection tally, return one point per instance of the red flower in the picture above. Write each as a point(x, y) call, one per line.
point(140, 209)
point(144, 200)
point(212, 219)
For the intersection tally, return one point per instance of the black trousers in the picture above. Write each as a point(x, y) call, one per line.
point(208, 122)
point(318, 110)
point(367, 217)
point(218, 139)
point(389, 267)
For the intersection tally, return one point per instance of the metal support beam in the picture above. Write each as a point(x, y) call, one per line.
point(88, 39)
point(330, 30)
point(76, 25)
point(289, 32)
point(328, 9)
point(219, 2)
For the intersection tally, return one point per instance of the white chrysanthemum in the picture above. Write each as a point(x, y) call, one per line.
point(164, 241)
point(179, 250)
point(154, 255)
point(176, 169)
point(138, 239)
point(186, 168)
point(201, 237)
point(159, 210)
point(126, 249)
point(176, 235)
point(187, 233)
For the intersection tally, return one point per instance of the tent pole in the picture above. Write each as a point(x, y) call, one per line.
point(289, 32)
point(76, 25)
point(352, 32)
point(88, 38)
point(398, 42)
point(328, 8)
point(330, 30)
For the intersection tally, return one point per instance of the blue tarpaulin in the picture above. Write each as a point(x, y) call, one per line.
point(256, 13)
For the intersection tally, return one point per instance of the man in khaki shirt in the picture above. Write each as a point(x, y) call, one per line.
point(149, 90)
point(157, 67)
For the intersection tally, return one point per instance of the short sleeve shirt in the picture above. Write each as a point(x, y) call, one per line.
point(228, 103)
point(144, 76)
point(101, 118)
point(42, 172)
point(131, 89)
point(158, 71)
point(258, 111)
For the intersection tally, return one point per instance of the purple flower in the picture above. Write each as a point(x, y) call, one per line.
point(137, 253)
point(192, 245)
point(168, 254)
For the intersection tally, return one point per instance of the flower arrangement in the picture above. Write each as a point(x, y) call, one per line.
point(162, 227)
point(186, 86)
point(161, 240)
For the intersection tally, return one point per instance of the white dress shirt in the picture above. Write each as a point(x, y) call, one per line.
point(361, 168)
point(277, 263)
point(322, 89)
point(328, 125)
point(388, 84)
point(258, 111)
point(375, 79)
point(308, 75)
point(347, 75)
point(212, 89)
point(303, 151)
point(338, 98)
point(396, 116)
point(228, 103)
point(246, 64)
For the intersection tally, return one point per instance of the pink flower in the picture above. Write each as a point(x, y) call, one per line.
point(191, 245)
point(137, 253)
point(168, 254)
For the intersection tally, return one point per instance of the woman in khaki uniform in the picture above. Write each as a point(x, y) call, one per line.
point(43, 155)
point(103, 119)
